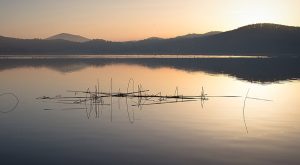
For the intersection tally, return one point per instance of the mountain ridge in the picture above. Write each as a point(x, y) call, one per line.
point(68, 37)
point(255, 39)
point(196, 35)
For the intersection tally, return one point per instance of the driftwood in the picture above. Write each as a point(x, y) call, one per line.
point(141, 95)
point(95, 99)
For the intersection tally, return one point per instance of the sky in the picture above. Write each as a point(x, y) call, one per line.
point(123, 20)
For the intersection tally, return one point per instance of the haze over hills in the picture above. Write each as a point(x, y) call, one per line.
point(68, 37)
point(257, 39)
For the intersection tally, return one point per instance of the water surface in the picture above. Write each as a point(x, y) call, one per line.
point(217, 132)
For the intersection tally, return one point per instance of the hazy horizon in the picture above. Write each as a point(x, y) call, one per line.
point(123, 20)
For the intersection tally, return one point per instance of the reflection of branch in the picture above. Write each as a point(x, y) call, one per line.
point(111, 106)
point(129, 118)
point(15, 106)
point(164, 102)
point(244, 118)
point(244, 107)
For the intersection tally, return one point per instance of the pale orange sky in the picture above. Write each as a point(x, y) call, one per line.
point(121, 20)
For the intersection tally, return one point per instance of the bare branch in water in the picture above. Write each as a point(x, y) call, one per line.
point(139, 98)
point(15, 105)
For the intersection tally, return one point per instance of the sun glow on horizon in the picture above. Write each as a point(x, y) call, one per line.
point(252, 12)
point(259, 16)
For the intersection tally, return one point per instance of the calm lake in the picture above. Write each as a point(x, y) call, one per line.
point(217, 130)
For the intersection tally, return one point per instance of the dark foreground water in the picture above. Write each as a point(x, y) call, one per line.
point(221, 130)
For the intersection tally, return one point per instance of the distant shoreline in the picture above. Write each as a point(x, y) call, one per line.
point(125, 56)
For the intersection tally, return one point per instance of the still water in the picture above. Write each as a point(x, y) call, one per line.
point(220, 130)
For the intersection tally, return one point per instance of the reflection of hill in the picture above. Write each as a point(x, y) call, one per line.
point(253, 69)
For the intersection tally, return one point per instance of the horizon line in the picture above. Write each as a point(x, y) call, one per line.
point(90, 39)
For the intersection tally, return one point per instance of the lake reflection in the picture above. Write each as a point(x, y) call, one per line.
point(47, 132)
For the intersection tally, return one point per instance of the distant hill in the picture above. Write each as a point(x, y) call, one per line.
point(68, 37)
point(254, 39)
point(257, 39)
point(194, 35)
